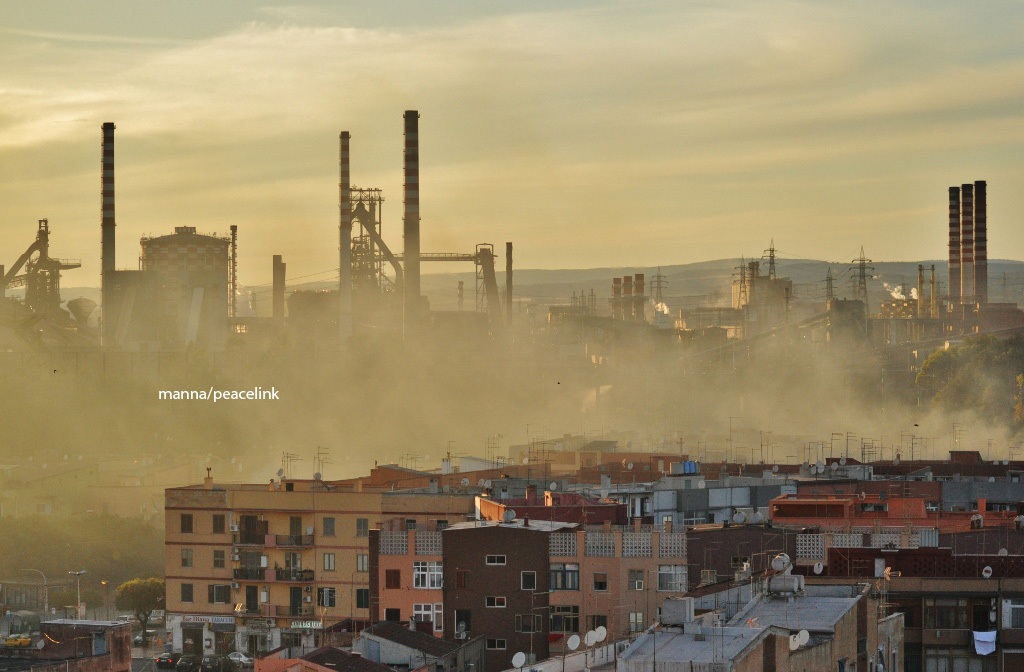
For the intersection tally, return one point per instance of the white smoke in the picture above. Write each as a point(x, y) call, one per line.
point(661, 308)
point(895, 291)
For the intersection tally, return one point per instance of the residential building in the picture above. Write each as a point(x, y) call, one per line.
point(402, 647)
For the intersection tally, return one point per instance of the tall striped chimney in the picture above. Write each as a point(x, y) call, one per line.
point(967, 243)
point(107, 224)
point(344, 240)
point(411, 229)
point(508, 282)
point(954, 245)
point(980, 242)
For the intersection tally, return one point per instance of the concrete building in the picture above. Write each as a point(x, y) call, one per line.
point(258, 566)
point(73, 646)
point(403, 648)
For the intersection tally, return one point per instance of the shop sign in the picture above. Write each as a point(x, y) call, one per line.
point(208, 619)
point(307, 625)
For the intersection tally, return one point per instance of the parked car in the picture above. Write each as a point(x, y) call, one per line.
point(216, 664)
point(167, 660)
point(240, 659)
point(18, 641)
point(187, 664)
point(150, 636)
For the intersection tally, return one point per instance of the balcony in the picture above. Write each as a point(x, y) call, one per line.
point(251, 538)
point(294, 540)
point(294, 574)
point(290, 611)
point(251, 574)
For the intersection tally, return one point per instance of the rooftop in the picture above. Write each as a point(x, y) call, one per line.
point(538, 525)
point(814, 613)
point(329, 656)
point(400, 633)
point(676, 646)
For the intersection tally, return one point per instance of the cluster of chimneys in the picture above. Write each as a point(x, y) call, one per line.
point(968, 243)
point(628, 299)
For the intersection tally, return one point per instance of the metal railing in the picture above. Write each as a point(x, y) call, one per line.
point(293, 574)
point(294, 539)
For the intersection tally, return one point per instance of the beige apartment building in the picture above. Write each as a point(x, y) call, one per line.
point(252, 567)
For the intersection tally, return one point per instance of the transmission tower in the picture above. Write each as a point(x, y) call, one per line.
point(860, 278)
point(770, 254)
point(658, 283)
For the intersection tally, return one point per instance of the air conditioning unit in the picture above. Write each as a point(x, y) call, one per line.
point(234, 557)
point(639, 585)
point(307, 598)
point(309, 589)
point(461, 635)
point(235, 585)
point(234, 527)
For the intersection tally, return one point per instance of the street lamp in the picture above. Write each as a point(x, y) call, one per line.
point(78, 580)
point(106, 598)
point(46, 594)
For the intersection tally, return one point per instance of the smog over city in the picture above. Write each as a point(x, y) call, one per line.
point(291, 295)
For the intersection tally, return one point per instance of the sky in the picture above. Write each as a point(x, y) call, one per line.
point(588, 133)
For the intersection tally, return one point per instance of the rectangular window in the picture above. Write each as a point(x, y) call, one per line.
point(429, 613)
point(410, 523)
point(1017, 614)
point(393, 615)
point(565, 619)
point(427, 575)
point(362, 598)
point(362, 527)
point(528, 580)
point(218, 523)
point(442, 525)
point(496, 601)
point(596, 621)
point(672, 577)
point(565, 576)
point(636, 579)
point(600, 582)
point(495, 560)
point(186, 592)
point(218, 559)
point(362, 562)
point(186, 557)
point(496, 644)
point(218, 593)
point(945, 613)
point(393, 578)
point(186, 523)
point(636, 621)
point(463, 620)
point(328, 562)
point(328, 527)
point(528, 623)
point(462, 578)
point(325, 597)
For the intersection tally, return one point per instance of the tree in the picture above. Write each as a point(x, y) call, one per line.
point(141, 597)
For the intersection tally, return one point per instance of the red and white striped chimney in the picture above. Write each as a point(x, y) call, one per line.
point(411, 228)
point(107, 225)
point(344, 240)
point(980, 242)
point(967, 243)
point(954, 245)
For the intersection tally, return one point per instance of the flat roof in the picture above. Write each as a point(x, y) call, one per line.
point(676, 646)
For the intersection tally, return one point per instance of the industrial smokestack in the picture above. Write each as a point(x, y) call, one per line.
point(627, 297)
point(954, 245)
point(278, 290)
point(412, 218)
point(980, 242)
point(107, 251)
point(344, 241)
point(234, 271)
point(639, 299)
point(933, 297)
point(616, 298)
point(508, 282)
point(967, 243)
point(920, 290)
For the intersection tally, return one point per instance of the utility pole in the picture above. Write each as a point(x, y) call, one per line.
point(78, 605)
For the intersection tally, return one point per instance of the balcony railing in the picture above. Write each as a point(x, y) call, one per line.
point(253, 538)
point(285, 610)
point(250, 574)
point(294, 574)
point(294, 539)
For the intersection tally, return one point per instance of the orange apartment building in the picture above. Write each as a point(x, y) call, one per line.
point(251, 567)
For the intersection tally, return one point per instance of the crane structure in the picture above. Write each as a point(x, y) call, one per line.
point(488, 298)
point(41, 278)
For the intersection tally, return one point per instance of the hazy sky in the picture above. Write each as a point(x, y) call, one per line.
point(590, 134)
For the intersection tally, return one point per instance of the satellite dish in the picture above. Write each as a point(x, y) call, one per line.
point(780, 562)
point(573, 643)
point(519, 659)
point(1006, 463)
point(818, 568)
point(601, 633)
point(794, 643)
point(775, 468)
point(481, 482)
point(280, 473)
point(40, 644)
point(833, 466)
point(629, 465)
point(757, 518)
point(805, 465)
point(1002, 551)
point(819, 464)
point(309, 529)
point(553, 485)
point(317, 476)
point(508, 516)
point(803, 637)
point(739, 518)
point(465, 482)
point(701, 485)
point(991, 479)
point(526, 460)
point(842, 461)
point(987, 572)
point(896, 460)
point(487, 483)
point(590, 638)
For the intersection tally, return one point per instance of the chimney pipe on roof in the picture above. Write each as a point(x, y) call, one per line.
point(412, 219)
point(954, 245)
point(344, 240)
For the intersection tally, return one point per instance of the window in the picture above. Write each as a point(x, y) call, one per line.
point(462, 578)
point(463, 620)
point(186, 592)
point(636, 579)
point(565, 576)
point(600, 582)
point(328, 527)
point(218, 593)
point(496, 601)
point(636, 621)
point(186, 523)
point(393, 578)
point(427, 575)
point(393, 615)
point(218, 523)
point(362, 527)
point(528, 580)
point(325, 597)
point(410, 523)
point(362, 598)
point(496, 644)
point(596, 621)
point(362, 562)
point(945, 613)
point(528, 623)
point(218, 559)
point(328, 562)
point(429, 613)
point(495, 560)
point(672, 577)
point(442, 525)
point(1017, 613)
point(186, 557)
point(565, 619)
